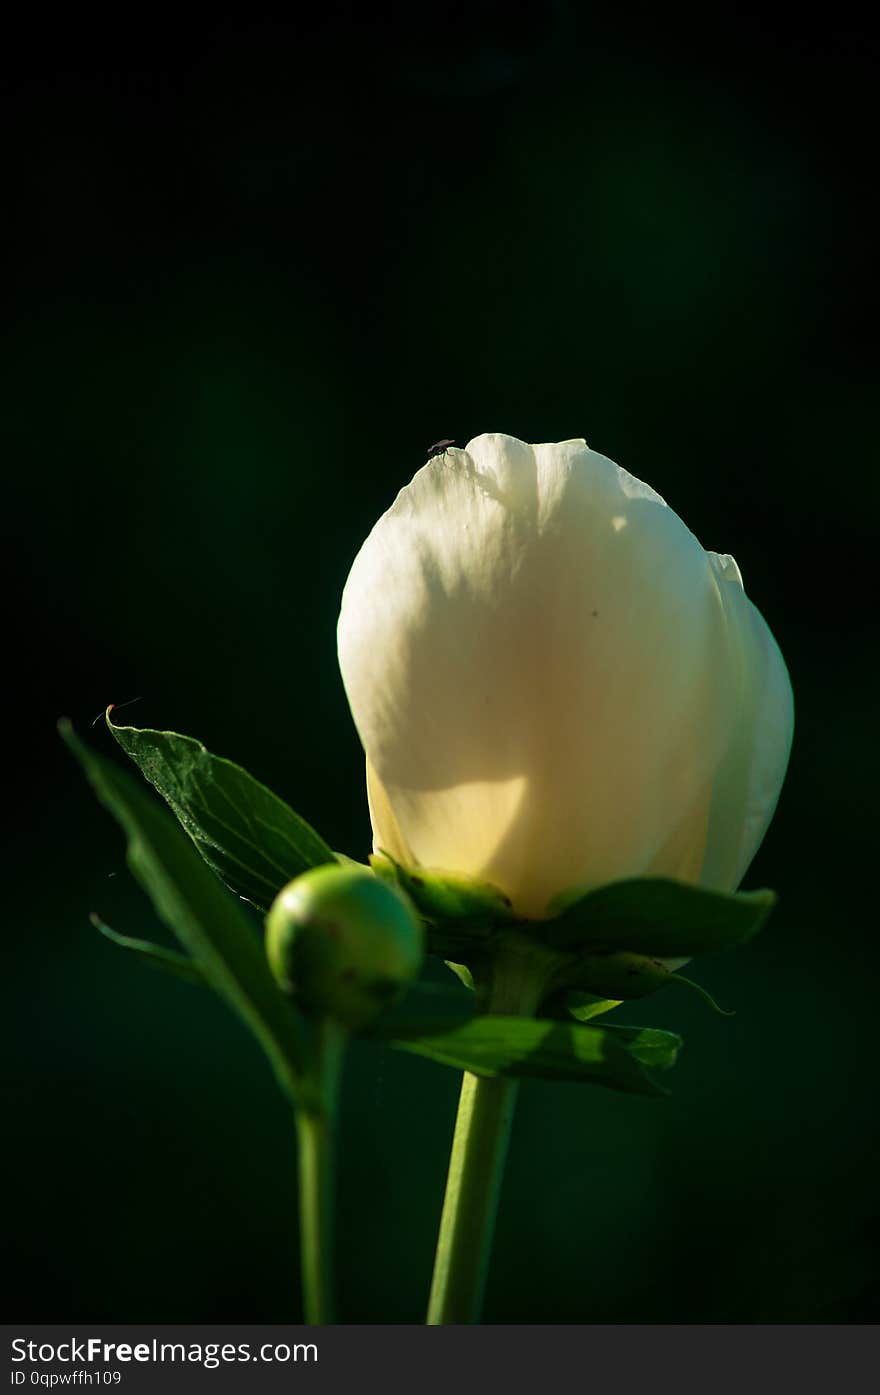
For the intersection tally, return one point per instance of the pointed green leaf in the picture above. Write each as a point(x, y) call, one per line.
point(347, 861)
point(659, 917)
point(524, 1046)
point(584, 1006)
point(255, 843)
point(210, 924)
point(652, 1047)
point(154, 956)
point(461, 971)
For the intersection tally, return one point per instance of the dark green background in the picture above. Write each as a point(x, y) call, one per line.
point(255, 271)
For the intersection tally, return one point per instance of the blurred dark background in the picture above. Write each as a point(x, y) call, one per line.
point(254, 270)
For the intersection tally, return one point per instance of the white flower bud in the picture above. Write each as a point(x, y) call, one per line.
point(555, 685)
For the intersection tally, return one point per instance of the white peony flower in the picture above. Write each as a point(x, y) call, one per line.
point(555, 685)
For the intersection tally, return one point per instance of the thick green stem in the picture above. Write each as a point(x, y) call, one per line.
point(473, 1185)
point(476, 1166)
point(316, 1130)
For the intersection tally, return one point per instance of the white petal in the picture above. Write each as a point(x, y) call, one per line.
point(747, 785)
point(387, 837)
point(535, 653)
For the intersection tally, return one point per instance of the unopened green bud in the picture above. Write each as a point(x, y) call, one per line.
point(343, 943)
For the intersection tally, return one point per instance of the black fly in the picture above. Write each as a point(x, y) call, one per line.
point(439, 448)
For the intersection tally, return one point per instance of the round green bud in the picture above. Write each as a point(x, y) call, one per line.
point(343, 943)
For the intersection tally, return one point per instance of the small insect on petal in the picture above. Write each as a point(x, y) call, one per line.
point(440, 448)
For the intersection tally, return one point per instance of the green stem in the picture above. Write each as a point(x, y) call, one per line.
point(476, 1165)
point(473, 1186)
point(316, 1131)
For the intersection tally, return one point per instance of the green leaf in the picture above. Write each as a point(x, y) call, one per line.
point(583, 1006)
point(425, 1008)
point(210, 924)
point(462, 973)
point(652, 1047)
point(659, 917)
point(432, 1010)
point(154, 956)
point(255, 843)
point(524, 1046)
point(347, 861)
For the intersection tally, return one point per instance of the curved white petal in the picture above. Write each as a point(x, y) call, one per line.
point(387, 837)
point(746, 787)
point(536, 655)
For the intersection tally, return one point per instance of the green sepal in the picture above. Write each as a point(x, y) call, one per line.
point(626, 976)
point(446, 896)
point(584, 1006)
point(619, 975)
point(253, 840)
point(524, 1046)
point(461, 914)
point(211, 924)
point(168, 961)
point(658, 917)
